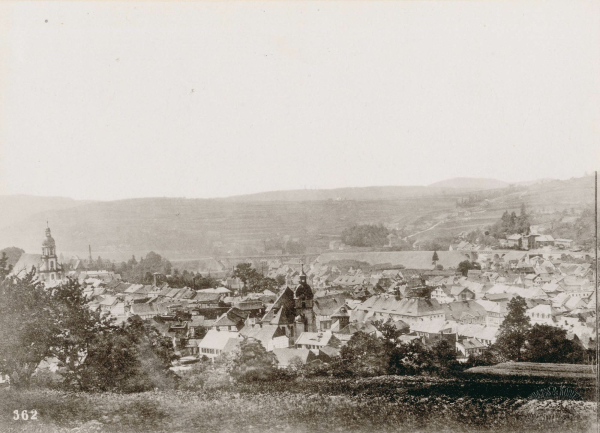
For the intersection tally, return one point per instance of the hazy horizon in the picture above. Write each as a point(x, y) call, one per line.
point(109, 101)
point(286, 190)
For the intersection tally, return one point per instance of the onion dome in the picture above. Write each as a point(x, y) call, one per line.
point(49, 241)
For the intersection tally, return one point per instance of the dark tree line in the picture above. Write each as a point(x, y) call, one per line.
point(142, 272)
point(511, 223)
point(366, 235)
point(465, 266)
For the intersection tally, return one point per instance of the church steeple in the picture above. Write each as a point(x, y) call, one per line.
point(302, 275)
point(303, 303)
point(49, 269)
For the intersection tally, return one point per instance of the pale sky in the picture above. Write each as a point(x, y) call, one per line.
point(110, 100)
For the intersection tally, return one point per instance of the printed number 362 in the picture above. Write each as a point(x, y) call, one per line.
point(24, 415)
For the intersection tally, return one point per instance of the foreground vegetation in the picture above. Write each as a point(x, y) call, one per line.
point(536, 369)
point(390, 403)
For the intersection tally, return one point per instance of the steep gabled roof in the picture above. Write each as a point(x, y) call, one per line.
point(264, 333)
point(25, 263)
point(354, 327)
point(282, 310)
point(328, 306)
point(286, 355)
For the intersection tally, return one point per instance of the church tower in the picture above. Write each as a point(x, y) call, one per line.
point(303, 305)
point(49, 268)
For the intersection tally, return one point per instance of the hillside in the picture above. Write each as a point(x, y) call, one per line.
point(188, 228)
point(18, 207)
point(543, 200)
point(180, 228)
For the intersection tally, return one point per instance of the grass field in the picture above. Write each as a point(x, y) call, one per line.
point(329, 405)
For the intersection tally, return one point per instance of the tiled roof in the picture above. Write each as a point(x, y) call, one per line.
point(456, 310)
point(406, 306)
point(286, 355)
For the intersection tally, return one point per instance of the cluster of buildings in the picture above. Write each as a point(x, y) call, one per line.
point(315, 312)
point(537, 241)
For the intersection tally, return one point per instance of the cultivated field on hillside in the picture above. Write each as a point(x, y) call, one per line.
point(179, 228)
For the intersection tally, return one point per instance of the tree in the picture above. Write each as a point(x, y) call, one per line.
point(435, 258)
point(26, 327)
point(200, 282)
point(73, 326)
point(465, 266)
point(132, 261)
point(444, 354)
point(488, 356)
point(513, 331)
point(252, 362)
point(410, 359)
point(245, 271)
point(550, 344)
point(511, 223)
point(253, 280)
point(38, 322)
point(133, 357)
point(263, 284)
point(5, 268)
point(522, 222)
point(365, 355)
point(390, 335)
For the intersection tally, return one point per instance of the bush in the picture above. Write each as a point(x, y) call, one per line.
point(316, 368)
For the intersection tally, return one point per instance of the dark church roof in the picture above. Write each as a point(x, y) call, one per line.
point(303, 290)
point(282, 310)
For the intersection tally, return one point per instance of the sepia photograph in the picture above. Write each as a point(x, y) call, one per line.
point(299, 216)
